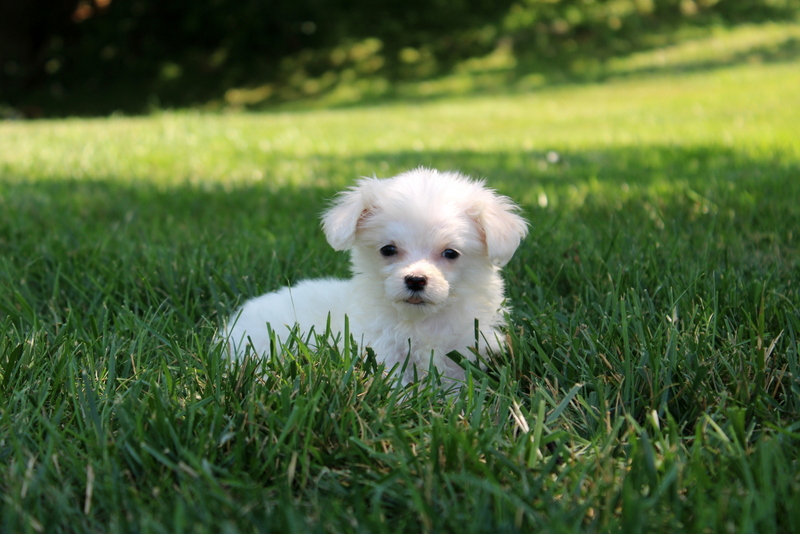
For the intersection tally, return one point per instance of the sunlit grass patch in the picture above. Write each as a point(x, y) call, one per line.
point(724, 46)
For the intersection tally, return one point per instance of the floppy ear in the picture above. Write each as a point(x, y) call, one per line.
point(340, 221)
point(502, 227)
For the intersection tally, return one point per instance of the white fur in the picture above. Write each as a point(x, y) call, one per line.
point(422, 213)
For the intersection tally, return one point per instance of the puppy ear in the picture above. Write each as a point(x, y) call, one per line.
point(502, 227)
point(340, 221)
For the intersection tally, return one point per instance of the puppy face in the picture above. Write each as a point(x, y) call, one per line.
point(426, 238)
point(420, 259)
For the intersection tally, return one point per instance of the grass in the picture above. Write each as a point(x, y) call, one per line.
point(652, 378)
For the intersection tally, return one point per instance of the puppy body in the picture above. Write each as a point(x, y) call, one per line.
point(426, 250)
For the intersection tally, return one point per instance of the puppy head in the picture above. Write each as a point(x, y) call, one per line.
point(425, 235)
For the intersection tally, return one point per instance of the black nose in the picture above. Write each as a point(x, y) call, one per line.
point(416, 283)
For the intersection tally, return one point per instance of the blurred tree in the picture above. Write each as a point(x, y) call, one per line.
point(97, 56)
point(31, 32)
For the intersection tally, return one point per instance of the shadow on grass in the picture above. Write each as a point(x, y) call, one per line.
point(572, 181)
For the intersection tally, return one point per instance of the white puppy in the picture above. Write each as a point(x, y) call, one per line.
point(426, 250)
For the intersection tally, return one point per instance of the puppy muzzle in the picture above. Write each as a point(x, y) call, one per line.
point(417, 285)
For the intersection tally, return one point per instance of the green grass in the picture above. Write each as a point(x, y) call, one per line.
point(652, 381)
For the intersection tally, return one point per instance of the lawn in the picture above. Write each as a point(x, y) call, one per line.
point(652, 381)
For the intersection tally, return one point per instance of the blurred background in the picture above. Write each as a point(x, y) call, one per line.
point(95, 57)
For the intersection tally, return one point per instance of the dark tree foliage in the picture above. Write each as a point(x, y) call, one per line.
point(97, 56)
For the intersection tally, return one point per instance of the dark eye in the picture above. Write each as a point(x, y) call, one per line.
point(451, 254)
point(389, 250)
